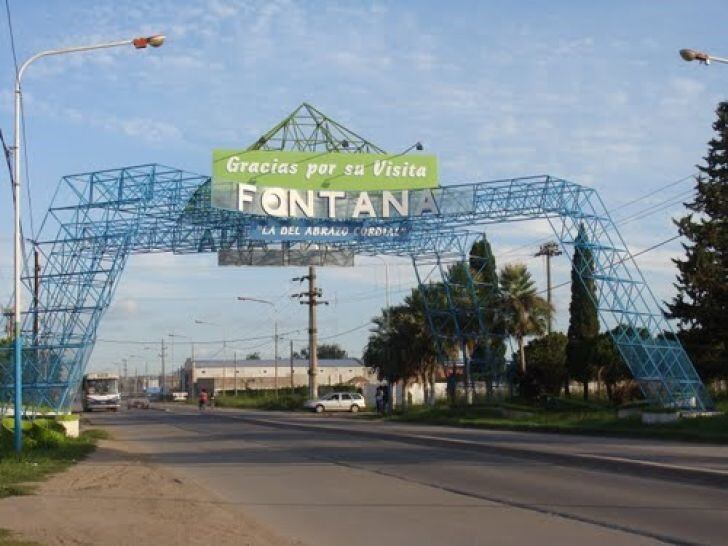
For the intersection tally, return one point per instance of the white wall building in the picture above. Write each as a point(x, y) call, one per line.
point(217, 375)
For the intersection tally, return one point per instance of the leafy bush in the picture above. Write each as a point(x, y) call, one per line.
point(45, 450)
point(545, 368)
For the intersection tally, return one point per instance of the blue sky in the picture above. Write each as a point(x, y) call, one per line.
point(593, 93)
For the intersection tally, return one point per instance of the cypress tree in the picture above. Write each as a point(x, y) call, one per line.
point(701, 303)
point(490, 353)
point(583, 319)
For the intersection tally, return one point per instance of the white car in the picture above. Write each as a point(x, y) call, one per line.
point(337, 401)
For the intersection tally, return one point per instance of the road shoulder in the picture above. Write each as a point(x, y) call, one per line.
point(115, 497)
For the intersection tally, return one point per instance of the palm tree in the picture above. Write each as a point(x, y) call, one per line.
point(401, 346)
point(422, 343)
point(525, 313)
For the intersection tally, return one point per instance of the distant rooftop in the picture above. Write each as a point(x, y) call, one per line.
point(269, 362)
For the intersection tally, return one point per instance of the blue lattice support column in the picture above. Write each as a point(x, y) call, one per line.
point(627, 307)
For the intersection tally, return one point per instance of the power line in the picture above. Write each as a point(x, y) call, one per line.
point(658, 207)
point(22, 123)
point(339, 334)
point(652, 209)
point(644, 251)
point(12, 36)
point(655, 191)
point(207, 342)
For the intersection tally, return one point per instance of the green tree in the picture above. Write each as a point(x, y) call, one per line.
point(253, 356)
point(392, 349)
point(423, 344)
point(331, 351)
point(610, 366)
point(6, 347)
point(401, 347)
point(701, 303)
point(583, 319)
point(524, 312)
point(490, 352)
point(301, 354)
point(546, 373)
point(325, 350)
point(460, 293)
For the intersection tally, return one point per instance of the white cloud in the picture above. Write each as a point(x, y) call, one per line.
point(682, 91)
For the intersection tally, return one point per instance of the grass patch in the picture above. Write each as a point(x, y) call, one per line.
point(46, 450)
point(577, 420)
point(7, 539)
point(267, 401)
point(288, 399)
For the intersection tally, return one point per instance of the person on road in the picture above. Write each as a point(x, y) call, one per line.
point(379, 398)
point(202, 400)
point(385, 399)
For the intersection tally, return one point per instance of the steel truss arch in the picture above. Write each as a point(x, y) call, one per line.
point(98, 219)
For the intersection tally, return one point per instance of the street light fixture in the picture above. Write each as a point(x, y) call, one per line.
point(139, 43)
point(155, 41)
point(700, 56)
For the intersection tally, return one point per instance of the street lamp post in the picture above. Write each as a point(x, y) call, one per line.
point(138, 43)
point(224, 337)
point(386, 279)
point(701, 56)
point(388, 315)
point(163, 386)
point(275, 336)
point(224, 330)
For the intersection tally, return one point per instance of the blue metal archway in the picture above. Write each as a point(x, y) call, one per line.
point(97, 220)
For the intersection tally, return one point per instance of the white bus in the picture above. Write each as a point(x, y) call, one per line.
point(100, 391)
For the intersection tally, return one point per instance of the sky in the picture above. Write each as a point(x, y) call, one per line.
point(591, 92)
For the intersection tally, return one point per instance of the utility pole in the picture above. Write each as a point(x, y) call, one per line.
point(191, 386)
point(235, 371)
point(549, 250)
point(275, 357)
point(162, 383)
point(293, 385)
point(124, 382)
point(275, 334)
point(310, 298)
point(36, 298)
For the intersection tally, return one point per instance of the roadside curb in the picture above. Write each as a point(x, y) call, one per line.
point(645, 469)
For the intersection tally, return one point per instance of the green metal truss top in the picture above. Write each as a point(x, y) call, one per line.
point(307, 129)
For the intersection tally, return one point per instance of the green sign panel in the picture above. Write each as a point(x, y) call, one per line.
point(326, 171)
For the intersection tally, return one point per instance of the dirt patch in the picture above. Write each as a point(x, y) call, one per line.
point(116, 498)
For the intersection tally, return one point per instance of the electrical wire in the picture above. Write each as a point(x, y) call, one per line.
point(206, 342)
point(644, 251)
point(658, 207)
point(339, 334)
point(620, 221)
point(22, 123)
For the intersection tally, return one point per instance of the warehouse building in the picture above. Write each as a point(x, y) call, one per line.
point(217, 375)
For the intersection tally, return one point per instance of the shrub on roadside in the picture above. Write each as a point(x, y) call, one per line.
point(545, 368)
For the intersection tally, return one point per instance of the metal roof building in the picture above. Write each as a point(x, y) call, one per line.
point(227, 374)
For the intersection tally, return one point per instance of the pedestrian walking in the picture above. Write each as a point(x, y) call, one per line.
point(202, 400)
point(379, 398)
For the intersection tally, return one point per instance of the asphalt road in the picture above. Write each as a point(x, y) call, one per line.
point(339, 486)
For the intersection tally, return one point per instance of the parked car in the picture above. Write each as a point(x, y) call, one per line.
point(337, 401)
point(138, 401)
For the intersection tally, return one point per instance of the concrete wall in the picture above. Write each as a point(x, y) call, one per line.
point(264, 377)
point(415, 393)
